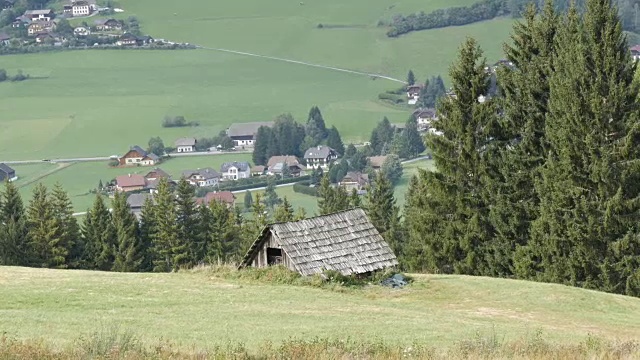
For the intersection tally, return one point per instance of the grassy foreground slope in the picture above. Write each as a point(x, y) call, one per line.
point(198, 308)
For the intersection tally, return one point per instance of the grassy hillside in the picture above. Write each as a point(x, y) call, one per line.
point(202, 309)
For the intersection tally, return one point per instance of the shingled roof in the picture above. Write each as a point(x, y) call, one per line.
point(345, 241)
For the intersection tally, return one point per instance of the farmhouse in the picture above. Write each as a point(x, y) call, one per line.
point(224, 197)
point(80, 8)
point(136, 201)
point(21, 21)
point(5, 39)
point(7, 4)
point(202, 177)
point(39, 27)
point(107, 24)
point(185, 145)
point(277, 164)
point(137, 156)
point(319, 156)
point(40, 15)
point(156, 174)
point(81, 31)
point(346, 242)
point(376, 162)
point(245, 134)
point(7, 173)
point(635, 52)
point(413, 93)
point(354, 180)
point(258, 170)
point(425, 117)
point(235, 170)
point(44, 36)
point(127, 39)
point(130, 182)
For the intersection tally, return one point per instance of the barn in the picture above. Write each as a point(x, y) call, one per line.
point(346, 242)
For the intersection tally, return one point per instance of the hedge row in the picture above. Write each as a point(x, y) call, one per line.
point(303, 188)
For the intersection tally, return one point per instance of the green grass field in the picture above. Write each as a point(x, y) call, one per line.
point(204, 310)
point(100, 102)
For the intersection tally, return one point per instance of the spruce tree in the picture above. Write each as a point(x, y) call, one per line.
point(99, 239)
point(169, 251)
point(148, 230)
point(14, 246)
point(392, 169)
point(44, 241)
point(248, 200)
point(382, 210)
point(334, 140)
point(411, 78)
point(354, 199)
point(271, 198)
point(587, 231)
point(315, 128)
point(450, 218)
point(414, 139)
point(300, 214)
point(187, 220)
point(253, 228)
point(284, 212)
point(129, 251)
point(67, 225)
point(325, 196)
point(515, 157)
point(264, 138)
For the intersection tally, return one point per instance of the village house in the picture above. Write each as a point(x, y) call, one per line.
point(202, 177)
point(44, 36)
point(425, 117)
point(235, 170)
point(7, 4)
point(21, 21)
point(320, 156)
point(258, 170)
point(354, 180)
point(40, 15)
point(130, 182)
point(137, 156)
point(224, 197)
point(153, 178)
point(185, 145)
point(81, 31)
point(346, 242)
point(80, 8)
point(39, 27)
point(127, 39)
point(144, 40)
point(7, 173)
point(635, 52)
point(107, 25)
point(244, 134)
point(136, 202)
point(277, 164)
point(376, 162)
point(5, 39)
point(413, 93)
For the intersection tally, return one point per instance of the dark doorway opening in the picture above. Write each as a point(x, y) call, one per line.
point(274, 256)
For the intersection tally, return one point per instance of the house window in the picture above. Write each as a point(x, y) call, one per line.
point(274, 256)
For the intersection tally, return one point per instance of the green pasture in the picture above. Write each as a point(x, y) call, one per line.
point(81, 177)
point(307, 202)
point(200, 309)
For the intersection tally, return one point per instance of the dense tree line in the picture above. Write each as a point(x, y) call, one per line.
point(386, 138)
point(628, 10)
point(172, 231)
point(541, 182)
point(288, 137)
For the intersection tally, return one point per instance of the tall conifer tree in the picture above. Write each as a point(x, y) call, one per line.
point(14, 247)
point(187, 220)
point(47, 250)
point(169, 251)
point(67, 225)
point(129, 250)
point(99, 241)
point(450, 217)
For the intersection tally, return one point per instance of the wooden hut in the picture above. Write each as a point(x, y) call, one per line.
point(345, 241)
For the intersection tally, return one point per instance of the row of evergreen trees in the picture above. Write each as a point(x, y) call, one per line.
point(543, 181)
point(173, 231)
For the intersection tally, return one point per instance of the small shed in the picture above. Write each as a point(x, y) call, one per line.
point(346, 242)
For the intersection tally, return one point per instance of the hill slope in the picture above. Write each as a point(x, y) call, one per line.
point(198, 308)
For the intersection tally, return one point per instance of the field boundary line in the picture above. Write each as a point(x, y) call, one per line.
point(61, 166)
point(304, 63)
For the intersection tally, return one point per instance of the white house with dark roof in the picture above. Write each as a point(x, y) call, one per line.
point(244, 134)
point(202, 177)
point(40, 15)
point(185, 145)
point(320, 156)
point(235, 170)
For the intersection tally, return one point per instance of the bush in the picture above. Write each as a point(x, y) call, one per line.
point(396, 99)
point(305, 189)
point(177, 121)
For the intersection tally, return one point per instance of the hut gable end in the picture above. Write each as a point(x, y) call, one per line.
point(346, 242)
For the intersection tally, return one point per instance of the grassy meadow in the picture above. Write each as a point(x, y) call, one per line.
point(205, 308)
